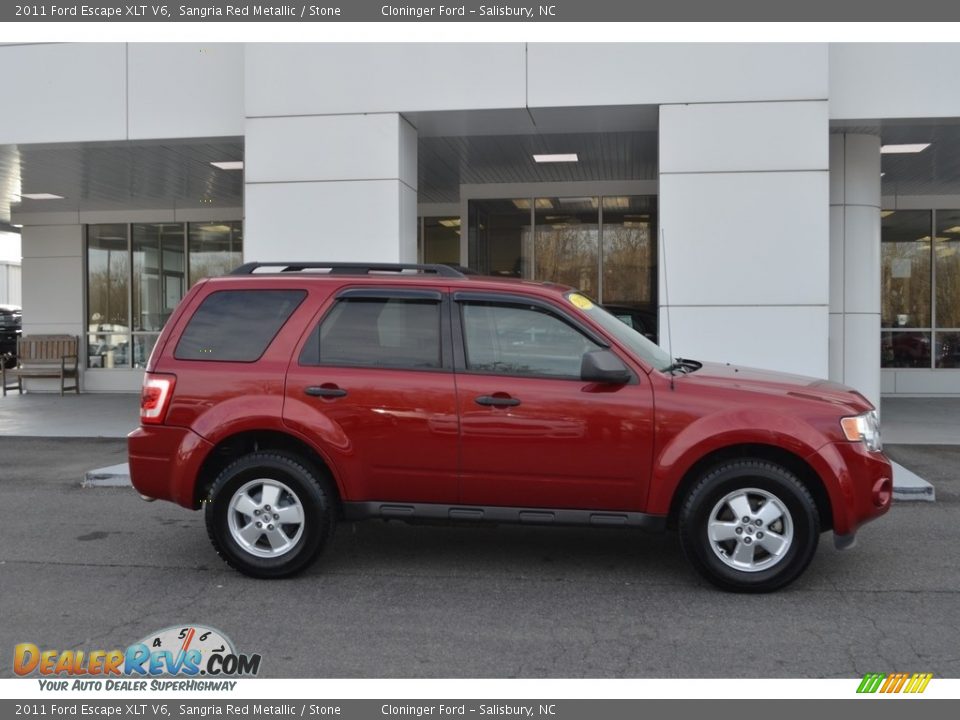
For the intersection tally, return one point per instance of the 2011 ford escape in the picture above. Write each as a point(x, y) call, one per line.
point(287, 396)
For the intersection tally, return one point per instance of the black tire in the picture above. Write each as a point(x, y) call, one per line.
point(286, 548)
point(712, 499)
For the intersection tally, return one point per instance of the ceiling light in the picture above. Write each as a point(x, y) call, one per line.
point(616, 203)
point(955, 230)
point(558, 157)
point(450, 223)
point(886, 213)
point(229, 165)
point(904, 148)
point(41, 196)
point(539, 204)
point(17, 225)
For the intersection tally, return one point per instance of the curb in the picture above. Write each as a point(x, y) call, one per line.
point(111, 476)
point(910, 487)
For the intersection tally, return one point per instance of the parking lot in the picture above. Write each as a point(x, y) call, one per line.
point(99, 568)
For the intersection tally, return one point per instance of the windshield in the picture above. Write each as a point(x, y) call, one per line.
point(649, 352)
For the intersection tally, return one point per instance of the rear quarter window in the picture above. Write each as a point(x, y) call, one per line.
point(236, 325)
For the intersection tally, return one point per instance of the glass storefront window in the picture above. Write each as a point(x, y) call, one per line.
point(566, 242)
point(947, 271)
point(159, 269)
point(136, 276)
point(920, 291)
point(108, 271)
point(948, 350)
point(498, 231)
point(108, 297)
point(441, 240)
point(605, 246)
point(905, 349)
point(215, 249)
point(905, 269)
point(630, 252)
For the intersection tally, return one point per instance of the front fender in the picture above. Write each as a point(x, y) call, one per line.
point(679, 448)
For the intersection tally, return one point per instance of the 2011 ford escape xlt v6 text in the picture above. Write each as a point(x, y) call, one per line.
point(290, 395)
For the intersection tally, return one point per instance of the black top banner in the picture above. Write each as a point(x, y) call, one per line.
point(516, 11)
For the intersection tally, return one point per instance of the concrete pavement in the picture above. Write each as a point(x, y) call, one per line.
point(96, 568)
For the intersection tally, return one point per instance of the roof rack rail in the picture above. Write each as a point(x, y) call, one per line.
point(348, 268)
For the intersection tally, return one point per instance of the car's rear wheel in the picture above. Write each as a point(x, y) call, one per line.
point(749, 526)
point(270, 514)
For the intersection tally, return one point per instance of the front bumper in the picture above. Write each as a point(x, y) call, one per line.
point(859, 484)
point(165, 462)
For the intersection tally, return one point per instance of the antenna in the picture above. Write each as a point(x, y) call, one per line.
point(666, 299)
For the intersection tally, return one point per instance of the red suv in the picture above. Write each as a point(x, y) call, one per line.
point(287, 396)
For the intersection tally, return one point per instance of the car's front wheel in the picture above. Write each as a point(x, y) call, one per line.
point(749, 526)
point(269, 514)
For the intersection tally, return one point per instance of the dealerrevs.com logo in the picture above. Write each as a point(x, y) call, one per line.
point(183, 651)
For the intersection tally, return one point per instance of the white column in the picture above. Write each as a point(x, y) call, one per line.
point(53, 286)
point(330, 188)
point(745, 223)
point(855, 262)
point(52, 278)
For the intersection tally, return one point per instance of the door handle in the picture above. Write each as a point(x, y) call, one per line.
point(325, 391)
point(497, 400)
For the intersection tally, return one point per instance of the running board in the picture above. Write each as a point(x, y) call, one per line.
point(495, 514)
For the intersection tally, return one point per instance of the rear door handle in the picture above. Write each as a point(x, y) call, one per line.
point(326, 391)
point(497, 400)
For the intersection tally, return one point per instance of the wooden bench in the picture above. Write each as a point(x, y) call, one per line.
point(40, 356)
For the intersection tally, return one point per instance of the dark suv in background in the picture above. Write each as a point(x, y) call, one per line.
point(286, 397)
point(10, 323)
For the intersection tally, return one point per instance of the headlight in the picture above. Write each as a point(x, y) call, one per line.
point(864, 427)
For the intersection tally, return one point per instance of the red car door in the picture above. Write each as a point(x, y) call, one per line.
point(374, 386)
point(532, 433)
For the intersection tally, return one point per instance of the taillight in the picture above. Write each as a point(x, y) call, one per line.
point(155, 397)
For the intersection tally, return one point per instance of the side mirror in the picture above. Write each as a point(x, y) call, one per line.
point(602, 366)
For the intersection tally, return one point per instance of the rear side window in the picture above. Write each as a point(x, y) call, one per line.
point(236, 325)
point(377, 332)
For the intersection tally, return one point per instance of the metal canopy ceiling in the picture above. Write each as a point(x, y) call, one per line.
point(454, 149)
point(935, 171)
point(112, 176)
point(447, 162)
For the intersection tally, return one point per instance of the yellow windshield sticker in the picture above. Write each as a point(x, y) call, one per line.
point(580, 301)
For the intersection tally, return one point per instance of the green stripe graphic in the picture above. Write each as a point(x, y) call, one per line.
point(871, 682)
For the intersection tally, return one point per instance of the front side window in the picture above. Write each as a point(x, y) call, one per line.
point(515, 339)
point(381, 332)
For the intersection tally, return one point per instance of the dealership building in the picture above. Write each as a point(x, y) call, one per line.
point(788, 206)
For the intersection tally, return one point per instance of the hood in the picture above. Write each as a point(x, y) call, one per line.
point(776, 383)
